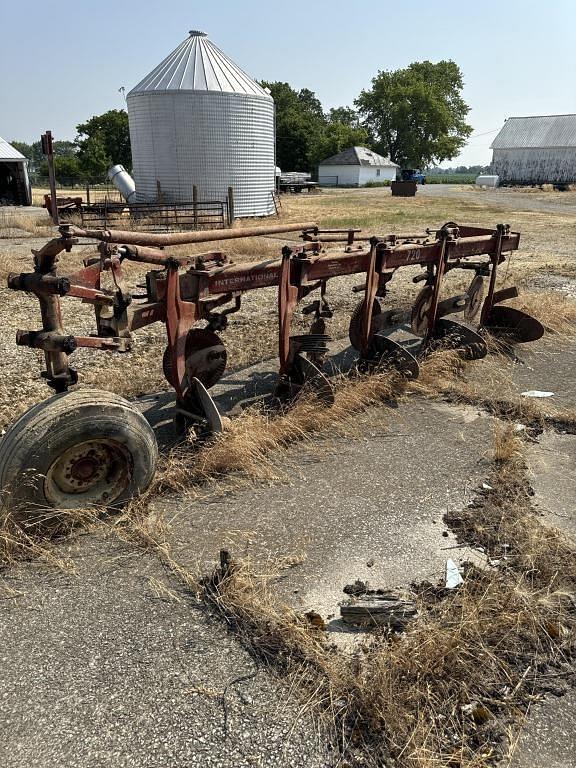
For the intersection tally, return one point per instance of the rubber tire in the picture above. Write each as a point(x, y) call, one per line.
point(42, 434)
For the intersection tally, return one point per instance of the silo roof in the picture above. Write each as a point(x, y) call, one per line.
point(198, 65)
point(7, 151)
point(538, 131)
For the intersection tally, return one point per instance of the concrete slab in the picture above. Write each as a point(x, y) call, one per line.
point(548, 739)
point(116, 667)
point(552, 464)
point(547, 364)
point(369, 508)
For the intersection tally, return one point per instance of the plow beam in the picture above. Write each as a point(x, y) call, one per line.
point(180, 238)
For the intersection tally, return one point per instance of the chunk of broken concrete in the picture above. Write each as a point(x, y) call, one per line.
point(378, 610)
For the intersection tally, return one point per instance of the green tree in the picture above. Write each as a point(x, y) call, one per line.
point(66, 167)
point(337, 137)
point(103, 141)
point(300, 123)
point(417, 114)
point(345, 115)
point(65, 148)
point(31, 151)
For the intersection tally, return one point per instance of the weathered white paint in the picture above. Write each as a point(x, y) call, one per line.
point(354, 175)
point(537, 165)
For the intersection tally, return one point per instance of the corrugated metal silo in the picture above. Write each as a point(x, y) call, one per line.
point(197, 119)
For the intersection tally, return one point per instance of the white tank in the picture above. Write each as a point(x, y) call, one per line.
point(487, 180)
point(199, 120)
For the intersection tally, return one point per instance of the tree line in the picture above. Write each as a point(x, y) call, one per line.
point(416, 116)
point(101, 141)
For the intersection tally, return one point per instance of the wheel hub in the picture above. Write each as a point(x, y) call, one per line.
point(84, 469)
point(98, 469)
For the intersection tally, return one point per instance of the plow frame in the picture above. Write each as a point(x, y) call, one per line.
point(180, 291)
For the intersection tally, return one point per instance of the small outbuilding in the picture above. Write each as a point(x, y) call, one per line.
point(536, 150)
point(355, 167)
point(14, 182)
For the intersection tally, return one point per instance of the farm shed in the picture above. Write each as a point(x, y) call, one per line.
point(536, 150)
point(197, 120)
point(14, 181)
point(355, 167)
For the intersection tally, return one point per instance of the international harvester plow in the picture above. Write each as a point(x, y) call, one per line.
point(89, 447)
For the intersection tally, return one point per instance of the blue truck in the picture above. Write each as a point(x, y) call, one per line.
point(411, 174)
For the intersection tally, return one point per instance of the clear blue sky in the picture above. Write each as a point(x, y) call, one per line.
point(63, 62)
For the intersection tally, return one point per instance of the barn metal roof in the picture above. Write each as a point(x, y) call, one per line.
point(535, 132)
point(198, 65)
point(7, 151)
point(359, 156)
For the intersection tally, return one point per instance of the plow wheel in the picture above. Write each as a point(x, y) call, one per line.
point(205, 358)
point(355, 328)
point(475, 295)
point(421, 311)
point(512, 325)
point(76, 450)
point(469, 344)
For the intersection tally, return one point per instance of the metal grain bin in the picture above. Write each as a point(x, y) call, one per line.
point(199, 120)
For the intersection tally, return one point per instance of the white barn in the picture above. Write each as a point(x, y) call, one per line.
point(536, 150)
point(355, 167)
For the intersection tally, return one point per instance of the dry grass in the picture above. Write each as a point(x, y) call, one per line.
point(446, 692)
point(38, 539)
point(556, 312)
point(252, 440)
point(15, 223)
point(248, 450)
point(490, 384)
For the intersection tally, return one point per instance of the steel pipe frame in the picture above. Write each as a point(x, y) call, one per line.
point(186, 297)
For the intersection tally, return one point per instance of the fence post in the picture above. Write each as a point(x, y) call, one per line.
point(159, 192)
point(195, 205)
point(230, 206)
point(48, 151)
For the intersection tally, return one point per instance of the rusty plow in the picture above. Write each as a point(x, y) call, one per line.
point(196, 296)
